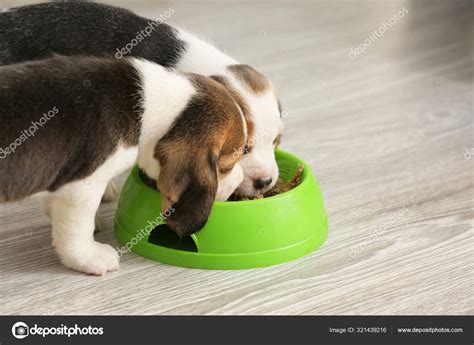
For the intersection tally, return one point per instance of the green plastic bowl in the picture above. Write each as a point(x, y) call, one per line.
point(238, 234)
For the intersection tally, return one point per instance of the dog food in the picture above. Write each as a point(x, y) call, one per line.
point(280, 187)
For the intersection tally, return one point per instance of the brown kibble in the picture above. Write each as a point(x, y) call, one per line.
point(280, 187)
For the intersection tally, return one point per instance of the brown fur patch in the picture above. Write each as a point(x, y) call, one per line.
point(250, 77)
point(231, 131)
point(278, 140)
point(242, 105)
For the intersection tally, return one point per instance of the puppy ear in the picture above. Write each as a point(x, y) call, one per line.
point(207, 131)
point(188, 182)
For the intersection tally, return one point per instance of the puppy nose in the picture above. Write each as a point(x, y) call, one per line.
point(261, 183)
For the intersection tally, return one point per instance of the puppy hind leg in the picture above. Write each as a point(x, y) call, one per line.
point(73, 211)
point(111, 192)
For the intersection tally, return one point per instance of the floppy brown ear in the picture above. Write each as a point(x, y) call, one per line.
point(208, 129)
point(188, 183)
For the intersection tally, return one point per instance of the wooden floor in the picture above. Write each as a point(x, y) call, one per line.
point(388, 134)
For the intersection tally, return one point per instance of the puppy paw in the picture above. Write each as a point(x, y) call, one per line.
point(111, 192)
point(95, 258)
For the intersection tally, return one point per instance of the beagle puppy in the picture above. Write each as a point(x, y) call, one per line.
point(84, 28)
point(70, 124)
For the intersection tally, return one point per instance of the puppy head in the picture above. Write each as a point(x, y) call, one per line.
point(258, 100)
point(197, 158)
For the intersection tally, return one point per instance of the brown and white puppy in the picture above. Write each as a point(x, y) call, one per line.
point(258, 101)
point(84, 28)
point(69, 125)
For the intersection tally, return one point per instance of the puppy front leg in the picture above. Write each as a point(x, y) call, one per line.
point(73, 210)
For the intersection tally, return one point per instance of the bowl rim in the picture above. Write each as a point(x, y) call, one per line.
point(307, 172)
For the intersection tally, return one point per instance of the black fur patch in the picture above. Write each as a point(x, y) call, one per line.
point(96, 104)
point(82, 28)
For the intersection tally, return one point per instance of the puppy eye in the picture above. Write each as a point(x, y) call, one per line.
point(246, 149)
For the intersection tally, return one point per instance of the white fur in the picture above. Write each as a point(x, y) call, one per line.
point(165, 96)
point(203, 58)
point(229, 183)
point(261, 163)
